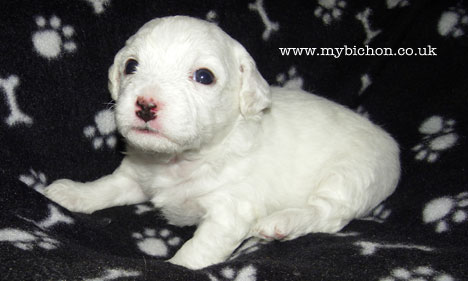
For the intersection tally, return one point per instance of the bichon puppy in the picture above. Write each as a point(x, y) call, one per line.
point(211, 144)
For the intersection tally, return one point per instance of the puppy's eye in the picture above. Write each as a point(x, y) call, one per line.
point(131, 66)
point(204, 76)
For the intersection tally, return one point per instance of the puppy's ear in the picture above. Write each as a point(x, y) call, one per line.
point(114, 77)
point(255, 94)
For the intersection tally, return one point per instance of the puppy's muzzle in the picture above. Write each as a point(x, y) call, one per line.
point(146, 109)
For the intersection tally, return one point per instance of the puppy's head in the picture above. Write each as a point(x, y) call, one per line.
point(181, 83)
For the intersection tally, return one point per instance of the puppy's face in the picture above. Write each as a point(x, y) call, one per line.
point(181, 83)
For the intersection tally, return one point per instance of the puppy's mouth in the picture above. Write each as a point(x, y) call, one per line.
point(146, 129)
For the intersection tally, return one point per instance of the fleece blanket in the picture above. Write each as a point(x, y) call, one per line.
point(401, 63)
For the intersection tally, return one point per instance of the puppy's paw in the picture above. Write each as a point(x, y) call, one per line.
point(69, 195)
point(194, 260)
point(178, 260)
point(275, 227)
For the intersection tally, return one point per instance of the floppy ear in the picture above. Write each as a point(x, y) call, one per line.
point(114, 77)
point(254, 94)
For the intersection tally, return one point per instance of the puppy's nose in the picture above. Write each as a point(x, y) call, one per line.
point(146, 109)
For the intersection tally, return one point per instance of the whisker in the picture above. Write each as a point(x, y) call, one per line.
point(110, 105)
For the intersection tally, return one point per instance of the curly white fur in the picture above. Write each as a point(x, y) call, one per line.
point(237, 158)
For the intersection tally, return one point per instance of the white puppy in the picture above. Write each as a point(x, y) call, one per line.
point(212, 145)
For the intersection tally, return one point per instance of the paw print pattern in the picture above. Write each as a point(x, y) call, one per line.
point(27, 241)
point(248, 273)
point(453, 22)
point(212, 16)
point(291, 80)
point(103, 132)
point(36, 180)
point(51, 39)
point(156, 244)
point(421, 273)
point(99, 6)
point(438, 136)
point(329, 10)
point(445, 210)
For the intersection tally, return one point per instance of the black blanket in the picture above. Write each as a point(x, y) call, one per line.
point(56, 122)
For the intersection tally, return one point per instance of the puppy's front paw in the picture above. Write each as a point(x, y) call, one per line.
point(177, 260)
point(69, 195)
point(192, 261)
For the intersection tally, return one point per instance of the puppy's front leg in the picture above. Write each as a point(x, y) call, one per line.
point(113, 190)
point(218, 235)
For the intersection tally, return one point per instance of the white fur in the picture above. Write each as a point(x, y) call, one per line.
point(237, 158)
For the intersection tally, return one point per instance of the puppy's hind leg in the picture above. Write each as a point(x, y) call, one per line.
point(291, 223)
point(327, 210)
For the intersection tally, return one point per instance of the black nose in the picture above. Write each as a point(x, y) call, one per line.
point(146, 110)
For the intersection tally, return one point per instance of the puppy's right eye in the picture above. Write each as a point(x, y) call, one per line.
point(131, 66)
point(204, 76)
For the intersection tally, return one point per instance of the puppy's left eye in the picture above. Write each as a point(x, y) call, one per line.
point(204, 76)
point(131, 66)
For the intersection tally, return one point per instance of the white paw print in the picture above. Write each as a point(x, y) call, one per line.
point(453, 22)
point(329, 10)
point(51, 39)
point(99, 5)
point(104, 130)
point(291, 80)
point(248, 273)
point(445, 210)
point(36, 180)
point(380, 214)
point(154, 243)
point(438, 136)
point(212, 16)
point(421, 273)
point(27, 241)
